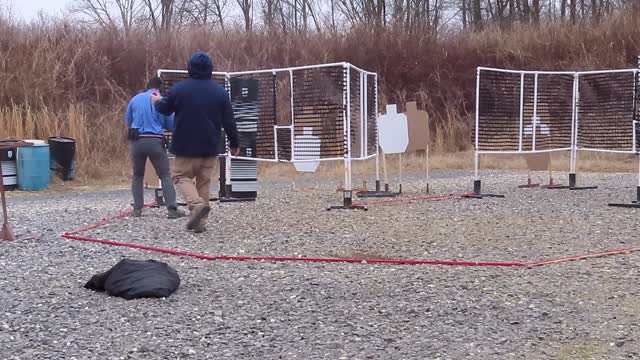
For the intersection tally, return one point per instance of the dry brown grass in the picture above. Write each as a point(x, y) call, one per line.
point(100, 137)
point(587, 162)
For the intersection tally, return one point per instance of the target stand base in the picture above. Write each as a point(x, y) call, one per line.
point(553, 186)
point(349, 207)
point(7, 233)
point(379, 193)
point(227, 195)
point(528, 185)
point(235, 199)
point(347, 203)
point(477, 192)
point(556, 187)
point(376, 194)
point(634, 204)
point(158, 198)
point(573, 182)
point(481, 196)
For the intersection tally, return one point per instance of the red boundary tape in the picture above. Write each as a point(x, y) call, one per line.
point(73, 235)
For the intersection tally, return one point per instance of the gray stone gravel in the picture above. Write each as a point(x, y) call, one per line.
point(268, 310)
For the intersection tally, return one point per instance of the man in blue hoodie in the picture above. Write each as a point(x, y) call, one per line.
point(146, 128)
point(202, 108)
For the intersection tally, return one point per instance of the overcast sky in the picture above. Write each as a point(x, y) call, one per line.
point(28, 9)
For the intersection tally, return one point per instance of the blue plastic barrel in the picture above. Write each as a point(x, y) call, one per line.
point(33, 167)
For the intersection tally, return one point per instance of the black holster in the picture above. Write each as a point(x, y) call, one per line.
point(133, 134)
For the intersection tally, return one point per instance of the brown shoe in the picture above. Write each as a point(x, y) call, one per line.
point(199, 213)
point(173, 213)
point(137, 212)
point(199, 229)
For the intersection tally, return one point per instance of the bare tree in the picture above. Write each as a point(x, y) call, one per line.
point(477, 14)
point(117, 13)
point(364, 12)
point(202, 12)
point(246, 6)
point(160, 13)
point(95, 11)
point(270, 10)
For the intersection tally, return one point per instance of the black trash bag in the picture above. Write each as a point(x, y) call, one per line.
point(134, 279)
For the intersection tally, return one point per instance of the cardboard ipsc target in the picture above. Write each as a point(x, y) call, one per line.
point(393, 131)
point(306, 147)
point(538, 161)
point(418, 127)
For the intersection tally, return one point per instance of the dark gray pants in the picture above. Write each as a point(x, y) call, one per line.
point(151, 148)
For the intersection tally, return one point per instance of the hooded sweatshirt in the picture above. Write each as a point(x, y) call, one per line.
point(202, 108)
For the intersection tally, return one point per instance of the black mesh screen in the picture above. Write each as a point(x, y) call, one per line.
point(284, 143)
point(170, 78)
point(318, 102)
point(636, 110)
point(500, 110)
point(554, 110)
point(372, 115)
point(356, 115)
point(606, 110)
point(264, 100)
point(256, 115)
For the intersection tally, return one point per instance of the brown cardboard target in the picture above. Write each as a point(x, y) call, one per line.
point(538, 161)
point(418, 124)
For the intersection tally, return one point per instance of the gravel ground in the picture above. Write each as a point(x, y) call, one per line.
point(266, 310)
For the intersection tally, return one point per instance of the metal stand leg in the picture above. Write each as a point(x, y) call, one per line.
point(347, 203)
point(477, 192)
point(573, 182)
point(159, 197)
point(529, 184)
point(378, 192)
point(7, 233)
point(633, 204)
point(553, 185)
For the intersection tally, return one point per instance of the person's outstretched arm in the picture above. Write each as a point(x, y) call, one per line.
point(165, 105)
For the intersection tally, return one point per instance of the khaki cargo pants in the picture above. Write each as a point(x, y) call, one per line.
point(192, 178)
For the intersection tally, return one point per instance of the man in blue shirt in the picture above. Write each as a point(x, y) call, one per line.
point(146, 129)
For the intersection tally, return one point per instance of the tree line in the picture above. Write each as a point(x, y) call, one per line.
point(435, 17)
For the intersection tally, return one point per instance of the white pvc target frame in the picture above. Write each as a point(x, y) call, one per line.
point(346, 118)
point(575, 123)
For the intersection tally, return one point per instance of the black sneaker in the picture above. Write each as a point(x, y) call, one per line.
point(137, 212)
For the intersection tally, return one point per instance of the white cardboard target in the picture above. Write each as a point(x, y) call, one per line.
point(541, 128)
point(306, 147)
point(393, 131)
